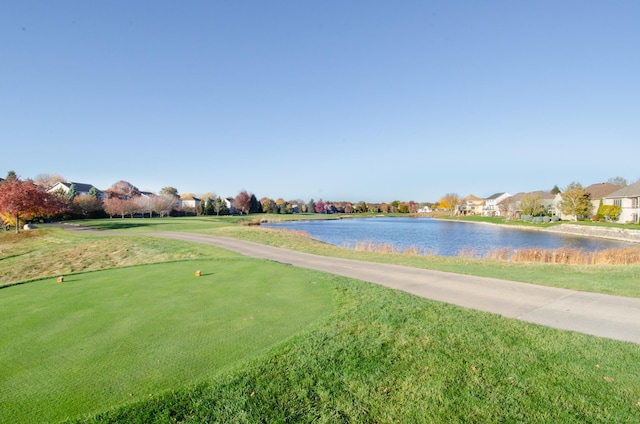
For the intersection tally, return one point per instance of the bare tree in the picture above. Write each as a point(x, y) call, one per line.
point(164, 204)
point(619, 181)
point(48, 180)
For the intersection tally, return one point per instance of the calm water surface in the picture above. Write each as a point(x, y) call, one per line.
point(444, 238)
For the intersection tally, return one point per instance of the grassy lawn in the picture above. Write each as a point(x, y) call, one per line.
point(117, 336)
point(255, 341)
point(388, 357)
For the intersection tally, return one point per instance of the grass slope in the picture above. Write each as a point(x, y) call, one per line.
point(388, 357)
point(107, 338)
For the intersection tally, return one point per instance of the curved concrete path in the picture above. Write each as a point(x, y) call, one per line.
point(601, 315)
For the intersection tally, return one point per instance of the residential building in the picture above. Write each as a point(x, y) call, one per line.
point(628, 198)
point(81, 188)
point(471, 205)
point(191, 203)
point(598, 192)
point(491, 204)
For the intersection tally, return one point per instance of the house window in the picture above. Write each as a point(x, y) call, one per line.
point(617, 202)
point(634, 202)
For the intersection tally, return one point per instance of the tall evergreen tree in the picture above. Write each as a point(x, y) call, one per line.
point(73, 192)
point(94, 192)
point(208, 207)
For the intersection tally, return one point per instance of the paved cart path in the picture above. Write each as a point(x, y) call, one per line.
point(601, 315)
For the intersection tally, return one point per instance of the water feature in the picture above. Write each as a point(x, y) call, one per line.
point(439, 237)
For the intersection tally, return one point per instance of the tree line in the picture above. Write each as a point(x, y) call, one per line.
point(28, 200)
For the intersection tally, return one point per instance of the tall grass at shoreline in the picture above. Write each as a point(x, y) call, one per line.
point(572, 256)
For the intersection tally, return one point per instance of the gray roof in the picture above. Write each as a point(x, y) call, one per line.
point(495, 196)
point(82, 187)
point(632, 190)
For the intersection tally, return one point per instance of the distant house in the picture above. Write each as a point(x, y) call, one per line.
point(628, 198)
point(425, 209)
point(598, 192)
point(81, 188)
point(511, 206)
point(190, 203)
point(549, 202)
point(230, 202)
point(491, 204)
point(471, 205)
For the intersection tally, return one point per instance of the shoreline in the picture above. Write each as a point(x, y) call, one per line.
point(608, 233)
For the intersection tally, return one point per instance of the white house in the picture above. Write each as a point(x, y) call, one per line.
point(491, 204)
point(81, 188)
point(190, 203)
point(628, 198)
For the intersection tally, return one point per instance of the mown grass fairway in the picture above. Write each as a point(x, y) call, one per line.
point(101, 339)
point(254, 341)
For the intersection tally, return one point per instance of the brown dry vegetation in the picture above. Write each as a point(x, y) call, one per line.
point(48, 253)
point(622, 256)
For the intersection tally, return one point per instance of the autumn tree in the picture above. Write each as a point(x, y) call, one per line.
point(123, 190)
point(25, 200)
point(320, 206)
point(268, 205)
point(360, 207)
point(610, 212)
point(450, 202)
point(114, 206)
point(575, 201)
point(243, 202)
point(531, 204)
point(87, 206)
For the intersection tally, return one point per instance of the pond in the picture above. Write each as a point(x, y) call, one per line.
point(439, 237)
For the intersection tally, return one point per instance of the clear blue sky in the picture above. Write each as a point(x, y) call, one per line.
point(340, 100)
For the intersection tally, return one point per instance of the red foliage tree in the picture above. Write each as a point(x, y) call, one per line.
point(243, 202)
point(25, 200)
point(115, 206)
point(122, 189)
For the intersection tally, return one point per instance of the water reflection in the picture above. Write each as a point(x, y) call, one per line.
point(445, 238)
